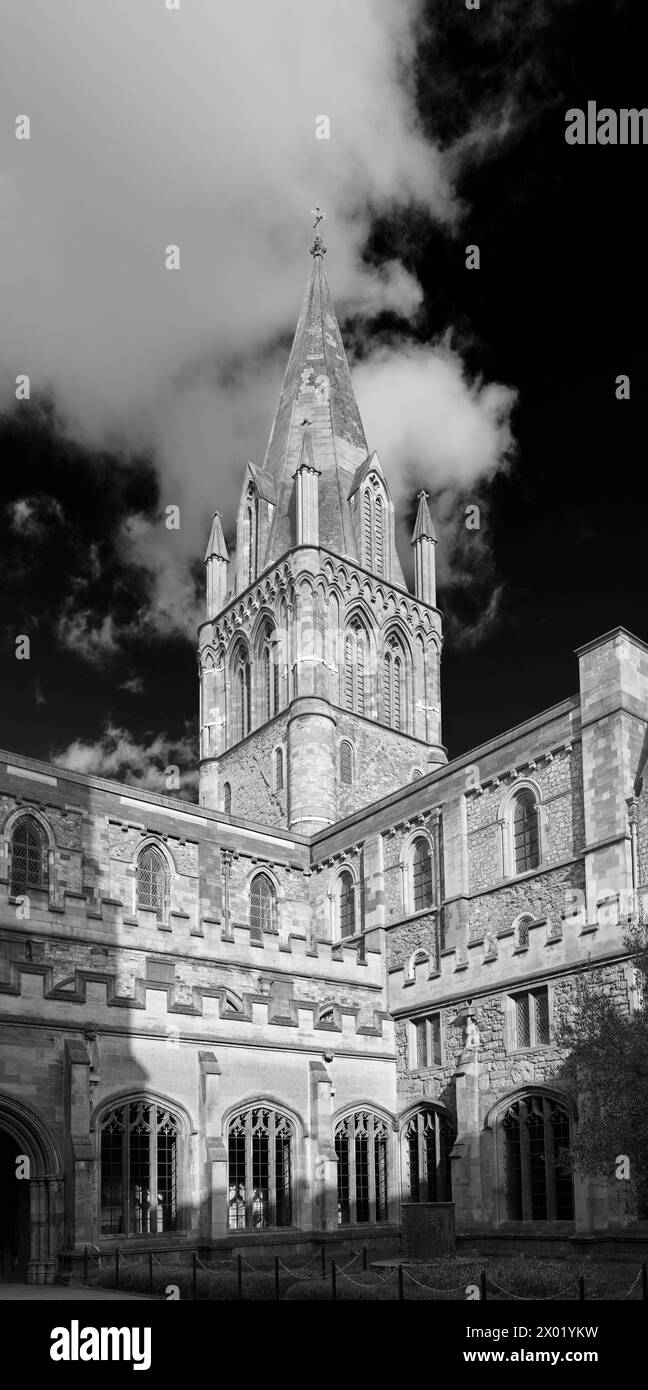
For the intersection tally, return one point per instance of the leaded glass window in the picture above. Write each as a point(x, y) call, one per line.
point(346, 904)
point(536, 1129)
point(346, 763)
point(428, 1140)
point(394, 685)
point(153, 881)
point(28, 856)
point(531, 1018)
point(526, 842)
point(362, 1148)
point(139, 1169)
point(260, 1156)
point(263, 908)
point(426, 1042)
point(421, 875)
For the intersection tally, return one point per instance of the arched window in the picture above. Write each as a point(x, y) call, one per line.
point(346, 904)
point(269, 676)
point(346, 763)
point(355, 660)
point(428, 1138)
point(153, 881)
point(538, 1183)
point(522, 931)
point(394, 685)
point(139, 1169)
point(373, 529)
point(379, 539)
point(227, 798)
point(263, 907)
point(250, 534)
point(242, 701)
point(260, 1144)
point(362, 1149)
point(28, 856)
point(421, 870)
point(279, 770)
point(526, 840)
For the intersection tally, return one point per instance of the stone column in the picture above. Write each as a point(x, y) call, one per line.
point(323, 1175)
point(213, 1190)
point(466, 1154)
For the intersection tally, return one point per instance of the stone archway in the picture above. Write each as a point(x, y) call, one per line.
point(28, 1221)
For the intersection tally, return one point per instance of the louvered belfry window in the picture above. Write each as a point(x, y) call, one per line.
point(354, 668)
point(393, 685)
point(153, 881)
point(263, 908)
point(28, 856)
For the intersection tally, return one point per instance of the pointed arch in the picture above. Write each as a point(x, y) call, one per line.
point(356, 665)
point(394, 683)
point(241, 691)
point(152, 880)
point(29, 857)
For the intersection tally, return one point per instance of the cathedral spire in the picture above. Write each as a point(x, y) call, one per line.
point(317, 387)
point(216, 565)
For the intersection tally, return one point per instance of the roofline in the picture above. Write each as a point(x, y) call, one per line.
point(607, 637)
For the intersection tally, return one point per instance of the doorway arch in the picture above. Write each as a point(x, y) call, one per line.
point(28, 1245)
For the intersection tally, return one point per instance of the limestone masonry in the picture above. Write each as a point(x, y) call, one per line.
point(331, 987)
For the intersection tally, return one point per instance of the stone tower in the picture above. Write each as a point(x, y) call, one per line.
point(319, 671)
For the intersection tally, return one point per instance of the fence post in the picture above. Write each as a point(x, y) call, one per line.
point(323, 1260)
point(240, 1275)
point(401, 1291)
point(277, 1278)
point(644, 1282)
point(333, 1281)
point(85, 1264)
point(150, 1271)
point(364, 1258)
point(117, 1268)
point(482, 1284)
point(581, 1289)
point(193, 1274)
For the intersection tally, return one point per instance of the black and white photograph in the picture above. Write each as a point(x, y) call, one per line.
point(324, 669)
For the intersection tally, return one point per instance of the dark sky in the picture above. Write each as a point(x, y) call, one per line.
point(556, 312)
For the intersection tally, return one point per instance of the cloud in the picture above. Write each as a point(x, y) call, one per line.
point(29, 517)
point(133, 686)
point(156, 764)
point(194, 127)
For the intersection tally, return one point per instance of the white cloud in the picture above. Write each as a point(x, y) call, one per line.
point(148, 764)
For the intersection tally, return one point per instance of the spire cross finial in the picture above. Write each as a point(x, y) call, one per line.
point(318, 248)
point(426, 495)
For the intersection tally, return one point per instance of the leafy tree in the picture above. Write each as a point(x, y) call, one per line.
point(608, 1065)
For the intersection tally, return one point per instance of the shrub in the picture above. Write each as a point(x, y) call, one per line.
point(213, 1284)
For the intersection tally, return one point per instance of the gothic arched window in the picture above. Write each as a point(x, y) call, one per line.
point(346, 913)
point(526, 839)
point(362, 1149)
point(346, 763)
point(421, 871)
point(28, 856)
point(394, 685)
point(260, 1144)
point(152, 881)
point(242, 695)
point(227, 798)
point(139, 1169)
point(428, 1137)
point(535, 1130)
point(355, 661)
point(379, 538)
point(250, 533)
point(269, 676)
point(263, 907)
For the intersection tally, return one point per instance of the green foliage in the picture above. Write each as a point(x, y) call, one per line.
point(608, 1064)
